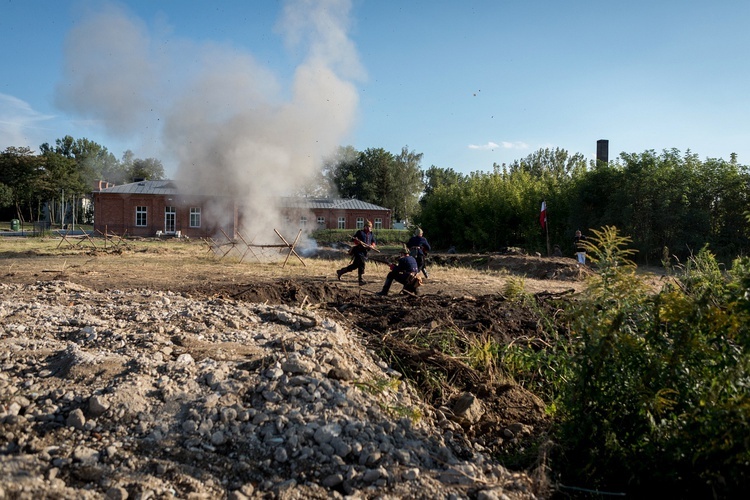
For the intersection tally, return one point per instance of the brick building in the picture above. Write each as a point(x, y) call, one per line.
point(151, 208)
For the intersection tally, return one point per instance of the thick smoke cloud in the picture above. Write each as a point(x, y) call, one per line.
point(229, 124)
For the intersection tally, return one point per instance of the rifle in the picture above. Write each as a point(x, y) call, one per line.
point(382, 260)
point(369, 247)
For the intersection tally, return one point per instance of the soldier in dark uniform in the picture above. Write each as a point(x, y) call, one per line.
point(418, 248)
point(578, 242)
point(405, 272)
point(363, 240)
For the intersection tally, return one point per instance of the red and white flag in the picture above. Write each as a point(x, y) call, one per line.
point(543, 215)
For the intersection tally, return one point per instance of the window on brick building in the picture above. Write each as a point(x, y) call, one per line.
point(195, 217)
point(141, 216)
point(170, 216)
point(342, 223)
point(378, 223)
point(360, 222)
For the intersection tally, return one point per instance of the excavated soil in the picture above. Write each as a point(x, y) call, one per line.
point(464, 297)
point(451, 299)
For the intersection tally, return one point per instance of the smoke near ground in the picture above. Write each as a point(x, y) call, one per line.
point(231, 126)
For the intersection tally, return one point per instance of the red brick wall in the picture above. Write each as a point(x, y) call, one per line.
point(115, 213)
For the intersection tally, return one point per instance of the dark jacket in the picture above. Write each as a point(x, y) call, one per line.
point(578, 243)
point(406, 265)
point(418, 246)
point(365, 237)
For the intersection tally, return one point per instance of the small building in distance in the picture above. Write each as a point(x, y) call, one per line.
point(154, 208)
point(334, 213)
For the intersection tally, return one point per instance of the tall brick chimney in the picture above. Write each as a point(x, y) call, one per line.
point(602, 150)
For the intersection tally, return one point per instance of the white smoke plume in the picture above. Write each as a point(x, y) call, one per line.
point(229, 124)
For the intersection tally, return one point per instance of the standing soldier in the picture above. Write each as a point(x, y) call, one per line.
point(364, 241)
point(578, 242)
point(418, 248)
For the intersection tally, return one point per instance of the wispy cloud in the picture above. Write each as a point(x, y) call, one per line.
point(491, 146)
point(20, 124)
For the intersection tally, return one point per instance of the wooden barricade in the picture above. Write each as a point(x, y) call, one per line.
point(242, 246)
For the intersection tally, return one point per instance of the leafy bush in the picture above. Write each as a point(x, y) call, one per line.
point(658, 402)
point(382, 236)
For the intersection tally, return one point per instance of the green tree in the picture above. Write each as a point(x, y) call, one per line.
point(409, 184)
point(556, 164)
point(547, 175)
point(724, 192)
point(436, 177)
point(123, 174)
point(70, 171)
point(377, 176)
point(442, 217)
point(20, 171)
point(376, 168)
point(93, 161)
point(442, 186)
point(344, 174)
point(6, 196)
point(132, 169)
point(148, 169)
point(669, 201)
point(499, 209)
point(60, 182)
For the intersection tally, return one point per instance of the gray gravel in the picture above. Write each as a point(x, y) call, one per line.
point(145, 394)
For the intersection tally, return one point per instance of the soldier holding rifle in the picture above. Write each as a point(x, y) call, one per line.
point(418, 248)
point(364, 241)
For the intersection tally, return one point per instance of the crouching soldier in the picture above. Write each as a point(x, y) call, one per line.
point(405, 271)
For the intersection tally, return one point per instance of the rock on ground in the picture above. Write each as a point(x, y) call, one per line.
point(145, 394)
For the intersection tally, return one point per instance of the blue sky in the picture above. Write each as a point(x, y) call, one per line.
point(466, 83)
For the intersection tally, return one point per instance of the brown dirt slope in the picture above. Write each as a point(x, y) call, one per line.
point(462, 303)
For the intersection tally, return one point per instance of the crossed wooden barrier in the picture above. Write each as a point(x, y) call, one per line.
point(241, 246)
point(238, 245)
point(110, 241)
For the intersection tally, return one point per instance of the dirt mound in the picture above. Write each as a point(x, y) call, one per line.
point(152, 394)
point(531, 266)
point(462, 307)
point(411, 334)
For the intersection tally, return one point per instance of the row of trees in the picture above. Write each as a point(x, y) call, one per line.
point(671, 204)
point(61, 174)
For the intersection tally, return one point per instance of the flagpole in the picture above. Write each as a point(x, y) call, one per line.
point(546, 230)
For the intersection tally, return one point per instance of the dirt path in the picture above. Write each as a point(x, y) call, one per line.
point(190, 268)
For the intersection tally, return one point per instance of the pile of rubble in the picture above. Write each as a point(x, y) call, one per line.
point(149, 394)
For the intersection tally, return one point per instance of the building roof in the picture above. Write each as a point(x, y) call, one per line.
point(329, 204)
point(144, 187)
point(168, 187)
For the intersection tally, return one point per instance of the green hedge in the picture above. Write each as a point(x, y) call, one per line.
point(382, 236)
